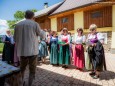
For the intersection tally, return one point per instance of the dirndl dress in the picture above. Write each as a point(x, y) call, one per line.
point(64, 51)
point(54, 51)
point(42, 48)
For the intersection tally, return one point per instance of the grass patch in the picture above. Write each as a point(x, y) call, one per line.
point(1, 47)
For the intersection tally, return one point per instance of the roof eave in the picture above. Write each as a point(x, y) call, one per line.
point(73, 8)
point(40, 15)
point(49, 12)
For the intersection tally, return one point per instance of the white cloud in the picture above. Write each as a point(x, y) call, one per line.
point(3, 27)
point(3, 22)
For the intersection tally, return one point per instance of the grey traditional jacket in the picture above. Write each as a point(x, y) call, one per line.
point(26, 37)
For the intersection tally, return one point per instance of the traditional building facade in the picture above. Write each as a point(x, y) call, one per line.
point(42, 16)
point(73, 14)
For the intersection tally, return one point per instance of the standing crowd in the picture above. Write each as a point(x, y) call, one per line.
point(66, 50)
point(30, 44)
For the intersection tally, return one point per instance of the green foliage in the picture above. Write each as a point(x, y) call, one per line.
point(19, 15)
point(12, 31)
point(11, 23)
point(34, 10)
point(1, 47)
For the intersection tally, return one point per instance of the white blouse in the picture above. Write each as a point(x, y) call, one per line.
point(100, 37)
point(80, 39)
point(63, 36)
point(91, 36)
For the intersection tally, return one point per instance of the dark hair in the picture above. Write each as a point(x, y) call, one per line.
point(49, 30)
point(29, 14)
point(54, 32)
point(80, 29)
point(69, 33)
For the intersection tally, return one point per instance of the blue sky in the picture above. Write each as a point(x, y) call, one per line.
point(9, 7)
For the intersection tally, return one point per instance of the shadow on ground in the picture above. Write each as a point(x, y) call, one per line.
point(49, 78)
point(107, 75)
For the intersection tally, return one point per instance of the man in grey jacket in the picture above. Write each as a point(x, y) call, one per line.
point(26, 38)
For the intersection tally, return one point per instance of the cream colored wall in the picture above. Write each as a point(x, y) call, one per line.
point(104, 29)
point(78, 20)
point(113, 28)
point(54, 24)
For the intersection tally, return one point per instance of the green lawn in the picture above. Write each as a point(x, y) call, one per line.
point(1, 47)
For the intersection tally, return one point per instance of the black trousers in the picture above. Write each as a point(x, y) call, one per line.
point(2, 81)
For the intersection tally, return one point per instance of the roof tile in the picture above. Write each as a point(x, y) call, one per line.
point(71, 4)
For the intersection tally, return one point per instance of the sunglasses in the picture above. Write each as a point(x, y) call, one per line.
point(92, 29)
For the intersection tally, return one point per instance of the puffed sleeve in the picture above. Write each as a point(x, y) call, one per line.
point(69, 38)
point(84, 39)
point(101, 37)
point(59, 38)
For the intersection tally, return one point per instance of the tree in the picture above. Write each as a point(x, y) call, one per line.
point(19, 15)
point(34, 10)
point(11, 23)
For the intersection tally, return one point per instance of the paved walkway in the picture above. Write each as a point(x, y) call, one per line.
point(48, 75)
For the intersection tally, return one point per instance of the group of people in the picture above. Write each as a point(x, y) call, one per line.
point(30, 44)
point(65, 49)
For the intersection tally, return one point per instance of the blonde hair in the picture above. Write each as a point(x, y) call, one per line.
point(65, 29)
point(7, 30)
point(92, 27)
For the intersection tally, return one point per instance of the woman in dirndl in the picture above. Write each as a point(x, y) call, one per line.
point(8, 50)
point(64, 50)
point(78, 53)
point(95, 52)
point(42, 48)
point(54, 49)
